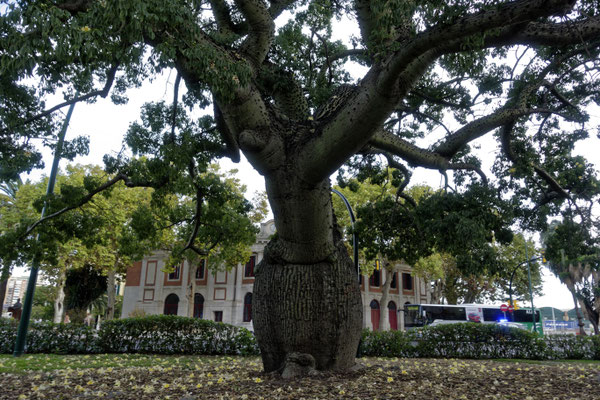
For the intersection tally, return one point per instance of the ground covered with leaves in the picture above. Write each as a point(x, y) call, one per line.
point(189, 378)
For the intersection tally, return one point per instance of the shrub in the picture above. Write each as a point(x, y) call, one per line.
point(47, 337)
point(158, 334)
point(477, 341)
point(169, 334)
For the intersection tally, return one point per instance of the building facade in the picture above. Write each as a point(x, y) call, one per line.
point(226, 296)
point(15, 289)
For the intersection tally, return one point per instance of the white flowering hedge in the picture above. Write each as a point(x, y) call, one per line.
point(477, 341)
point(46, 337)
point(158, 334)
point(169, 334)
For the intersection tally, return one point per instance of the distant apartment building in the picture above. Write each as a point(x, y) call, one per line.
point(226, 296)
point(15, 289)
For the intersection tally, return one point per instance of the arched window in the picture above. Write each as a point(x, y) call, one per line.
point(248, 307)
point(393, 314)
point(198, 306)
point(375, 314)
point(171, 304)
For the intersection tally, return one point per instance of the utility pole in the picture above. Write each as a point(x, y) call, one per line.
point(35, 265)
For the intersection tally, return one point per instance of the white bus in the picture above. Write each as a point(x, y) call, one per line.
point(418, 315)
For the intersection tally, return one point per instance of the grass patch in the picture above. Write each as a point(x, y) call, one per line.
point(51, 362)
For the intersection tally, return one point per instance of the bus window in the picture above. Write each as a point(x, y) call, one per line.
point(524, 315)
point(494, 315)
point(444, 313)
point(411, 316)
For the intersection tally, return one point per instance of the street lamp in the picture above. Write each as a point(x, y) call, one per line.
point(512, 275)
point(28, 302)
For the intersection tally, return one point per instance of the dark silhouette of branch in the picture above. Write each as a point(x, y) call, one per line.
point(110, 78)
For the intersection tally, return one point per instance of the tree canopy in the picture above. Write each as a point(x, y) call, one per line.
point(439, 75)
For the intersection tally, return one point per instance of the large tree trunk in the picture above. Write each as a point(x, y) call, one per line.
point(384, 321)
point(110, 292)
point(59, 302)
point(192, 288)
point(3, 284)
point(306, 301)
point(578, 313)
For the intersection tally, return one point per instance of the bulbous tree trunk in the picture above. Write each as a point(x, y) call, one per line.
point(306, 301)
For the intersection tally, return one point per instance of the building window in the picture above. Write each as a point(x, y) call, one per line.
point(375, 279)
point(248, 307)
point(249, 268)
point(200, 270)
point(394, 284)
point(198, 306)
point(171, 304)
point(218, 316)
point(174, 276)
point(407, 282)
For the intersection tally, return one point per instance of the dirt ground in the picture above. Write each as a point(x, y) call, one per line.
point(241, 378)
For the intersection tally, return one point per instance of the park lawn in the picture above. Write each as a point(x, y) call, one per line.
point(142, 377)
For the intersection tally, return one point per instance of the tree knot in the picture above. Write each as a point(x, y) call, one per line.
point(298, 364)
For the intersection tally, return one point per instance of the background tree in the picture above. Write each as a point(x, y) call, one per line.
point(43, 303)
point(454, 286)
point(82, 286)
point(573, 252)
point(8, 194)
point(283, 97)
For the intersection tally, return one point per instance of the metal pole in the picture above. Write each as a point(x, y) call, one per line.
point(28, 302)
point(530, 290)
point(354, 234)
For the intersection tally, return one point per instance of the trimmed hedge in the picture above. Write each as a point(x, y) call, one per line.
point(477, 341)
point(157, 334)
point(46, 337)
point(167, 334)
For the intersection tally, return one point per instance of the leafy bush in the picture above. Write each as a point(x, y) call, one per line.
point(47, 337)
point(169, 334)
point(477, 341)
point(158, 334)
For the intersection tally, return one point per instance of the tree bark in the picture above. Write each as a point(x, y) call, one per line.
point(192, 288)
point(578, 313)
point(59, 302)
point(3, 284)
point(384, 320)
point(311, 308)
point(110, 292)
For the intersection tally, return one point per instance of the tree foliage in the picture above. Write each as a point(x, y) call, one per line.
point(439, 76)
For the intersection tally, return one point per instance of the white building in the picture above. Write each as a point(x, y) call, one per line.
point(227, 295)
point(15, 289)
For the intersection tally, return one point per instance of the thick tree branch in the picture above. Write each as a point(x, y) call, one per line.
point(479, 127)
point(515, 14)
point(261, 30)
point(222, 15)
point(279, 6)
point(362, 8)
point(562, 34)
point(505, 137)
point(175, 100)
